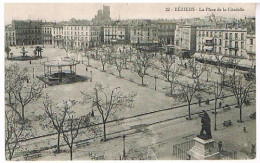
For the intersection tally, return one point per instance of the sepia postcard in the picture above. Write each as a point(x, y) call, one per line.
point(129, 81)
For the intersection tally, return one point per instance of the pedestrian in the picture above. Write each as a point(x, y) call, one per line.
point(220, 104)
point(92, 113)
point(220, 146)
point(199, 101)
point(207, 102)
point(244, 129)
point(30, 62)
point(185, 65)
point(86, 69)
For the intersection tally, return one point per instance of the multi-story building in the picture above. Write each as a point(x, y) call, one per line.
point(185, 37)
point(28, 32)
point(250, 45)
point(166, 32)
point(10, 39)
point(79, 35)
point(226, 41)
point(115, 34)
point(57, 34)
point(47, 29)
point(144, 34)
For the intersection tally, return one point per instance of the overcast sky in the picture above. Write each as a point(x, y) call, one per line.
point(65, 11)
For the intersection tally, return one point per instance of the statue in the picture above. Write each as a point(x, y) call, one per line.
point(205, 120)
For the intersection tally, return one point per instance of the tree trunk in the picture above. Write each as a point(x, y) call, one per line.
point(88, 61)
point(189, 110)
point(171, 88)
point(23, 113)
point(103, 67)
point(104, 131)
point(142, 80)
point(215, 114)
point(240, 107)
point(58, 144)
point(119, 73)
point(71, 153)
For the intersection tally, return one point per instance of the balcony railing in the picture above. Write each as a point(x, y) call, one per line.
point(208, 43)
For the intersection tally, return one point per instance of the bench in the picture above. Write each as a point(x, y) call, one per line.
point(30, 156)
point(82, 144)
point(226, 108)
point(252, 116)
point(227, 123)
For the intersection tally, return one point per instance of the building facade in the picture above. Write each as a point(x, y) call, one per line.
point(185, 37)
point(228, 42)
point(47, 29)
point(28, 32)
point(144, 34)
point(114, 34)
point(57, 35)
point(81, 35)
point(166, 32)
point(10, 39)
point(251, 45)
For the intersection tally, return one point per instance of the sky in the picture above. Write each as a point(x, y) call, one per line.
point(65, 11)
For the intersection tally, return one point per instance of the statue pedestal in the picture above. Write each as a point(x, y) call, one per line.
point(204, 150)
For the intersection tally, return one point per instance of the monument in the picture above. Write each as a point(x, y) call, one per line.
point(204, 148)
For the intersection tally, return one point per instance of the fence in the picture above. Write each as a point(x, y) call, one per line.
point(181, 151)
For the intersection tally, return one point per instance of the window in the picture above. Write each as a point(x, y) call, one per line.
point(251, 42)
point(226, 36)
point(242, 36)
point(236, 36)
point(230, 36)
point(242, 45)
point(220, 42)
point(219, 50)
point(207, 34)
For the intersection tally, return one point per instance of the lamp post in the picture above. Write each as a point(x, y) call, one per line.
point(90, 76)
point(155, 77)
point(123, 147)
point(33, 72)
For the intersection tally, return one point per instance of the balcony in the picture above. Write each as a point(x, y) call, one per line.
point(251, 52)
point(231, 47)
point(208, 43)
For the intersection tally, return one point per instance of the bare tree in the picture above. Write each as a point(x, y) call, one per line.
point(104, 59)
point(172, 78)
point(70, 131)
point(196, 71)
point(66, 47)
point(119, 62)
point(141, 65)
point(241, 90)
point(167, 62)
point(108, 105)
point(27, 92)
point(87, 53)
point(217, 93)
point(57, 115)
point(187, 92)
point(222, 68)
point(19, 87)
point(13, 133)
point(130, 54)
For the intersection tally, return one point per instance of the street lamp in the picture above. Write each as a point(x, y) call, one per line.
point(33, 72)
point(155, 77)
point(123, 146)
point(90, 76)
